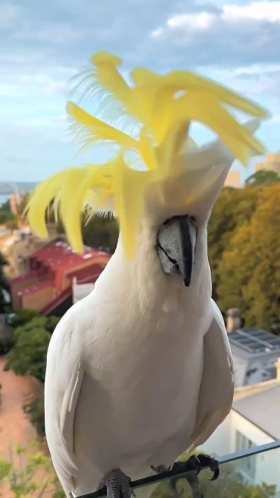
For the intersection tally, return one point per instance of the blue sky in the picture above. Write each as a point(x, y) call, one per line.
point(43, 44)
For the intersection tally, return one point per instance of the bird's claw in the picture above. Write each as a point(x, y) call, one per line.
point(211, 463)
point(196, 463)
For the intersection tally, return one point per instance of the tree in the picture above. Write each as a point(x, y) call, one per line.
point(101, 232)
point(4, 286)
point(228, 485)
point(249, 268)
point(233, 208)
point(28, 357)
point(34, 409)
point(262, 177)
point(6, 214)
point(21, 317)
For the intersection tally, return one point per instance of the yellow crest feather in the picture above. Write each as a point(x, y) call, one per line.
point(163, 107)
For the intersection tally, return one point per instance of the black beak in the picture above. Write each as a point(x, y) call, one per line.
point(186, 263)
point(176, 242)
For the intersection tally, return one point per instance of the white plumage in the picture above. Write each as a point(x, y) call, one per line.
point(140, 370)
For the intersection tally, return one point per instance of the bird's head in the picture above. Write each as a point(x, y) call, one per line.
point(171, 185)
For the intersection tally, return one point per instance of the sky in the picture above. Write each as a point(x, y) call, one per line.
point(44, 44)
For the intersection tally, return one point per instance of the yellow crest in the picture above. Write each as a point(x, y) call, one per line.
point(163, 107)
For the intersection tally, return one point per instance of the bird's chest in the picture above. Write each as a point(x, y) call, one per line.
point(150, 378)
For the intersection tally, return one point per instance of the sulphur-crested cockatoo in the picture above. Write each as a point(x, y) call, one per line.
point(140, 370)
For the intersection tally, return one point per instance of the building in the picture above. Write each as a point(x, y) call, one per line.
point(47, 285)
point(271, 163)
point(254, 355)
point(253, 421)
point(233, 179)
point(79, 291)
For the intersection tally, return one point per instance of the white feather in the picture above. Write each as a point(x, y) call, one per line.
point(140, 369)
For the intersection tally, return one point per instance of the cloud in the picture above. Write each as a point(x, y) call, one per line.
point(255, 11)
point(235, 42)
point(248, 32)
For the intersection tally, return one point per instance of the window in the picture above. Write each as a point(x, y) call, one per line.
point(247, 465)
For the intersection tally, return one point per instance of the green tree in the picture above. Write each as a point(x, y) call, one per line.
point(34, 409)
point(28, 357)
point(249, 268)
point(6, 214)
point(101, 232)
point(233, 208)
point(21, 317)
point(4, 286)
point(263, 177)
point(228, 485)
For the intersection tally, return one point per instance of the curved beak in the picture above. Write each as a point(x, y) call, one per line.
point(186, 262)
point(176, 246)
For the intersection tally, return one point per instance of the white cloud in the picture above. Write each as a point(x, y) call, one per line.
point(255, 11)
point(203, 21)
point(200, 21)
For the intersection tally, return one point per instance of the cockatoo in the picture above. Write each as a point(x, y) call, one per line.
point(141, 369)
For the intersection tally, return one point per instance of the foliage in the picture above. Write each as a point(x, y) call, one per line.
point(35, 412)
point(249, 271)
point(6, 340)
point(263, 177)
point(21, 317)
point(245, 254)
point(32, 477)
point(228, 485)
point(28, 356)
point(101, 232)
point(6, 214)
point(4, 286)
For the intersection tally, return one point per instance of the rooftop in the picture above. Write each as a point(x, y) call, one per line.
point(262, 408)
point(255, 341)
point(60, 253)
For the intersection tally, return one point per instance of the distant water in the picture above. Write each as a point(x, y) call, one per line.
point(3, 198)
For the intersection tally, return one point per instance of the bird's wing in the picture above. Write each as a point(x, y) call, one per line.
point(64, 378)
point(217, 386)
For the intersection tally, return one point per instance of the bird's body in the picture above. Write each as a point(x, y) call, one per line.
point(141, 370)
point(120, 362)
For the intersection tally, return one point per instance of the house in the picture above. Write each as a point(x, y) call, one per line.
point(79, 291)
point(233, 179)
point(255, 352)
point(253, 421)
point(47, 285)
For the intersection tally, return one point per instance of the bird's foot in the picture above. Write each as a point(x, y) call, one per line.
point(196, 463)
point(192, 467)
point(117, 484)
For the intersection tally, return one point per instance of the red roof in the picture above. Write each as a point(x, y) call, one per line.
point(60, 253)
point(55, 265)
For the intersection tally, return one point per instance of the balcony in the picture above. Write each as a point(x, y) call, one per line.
point(252, 473)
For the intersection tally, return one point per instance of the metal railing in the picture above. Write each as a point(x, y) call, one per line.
point(187, 469)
